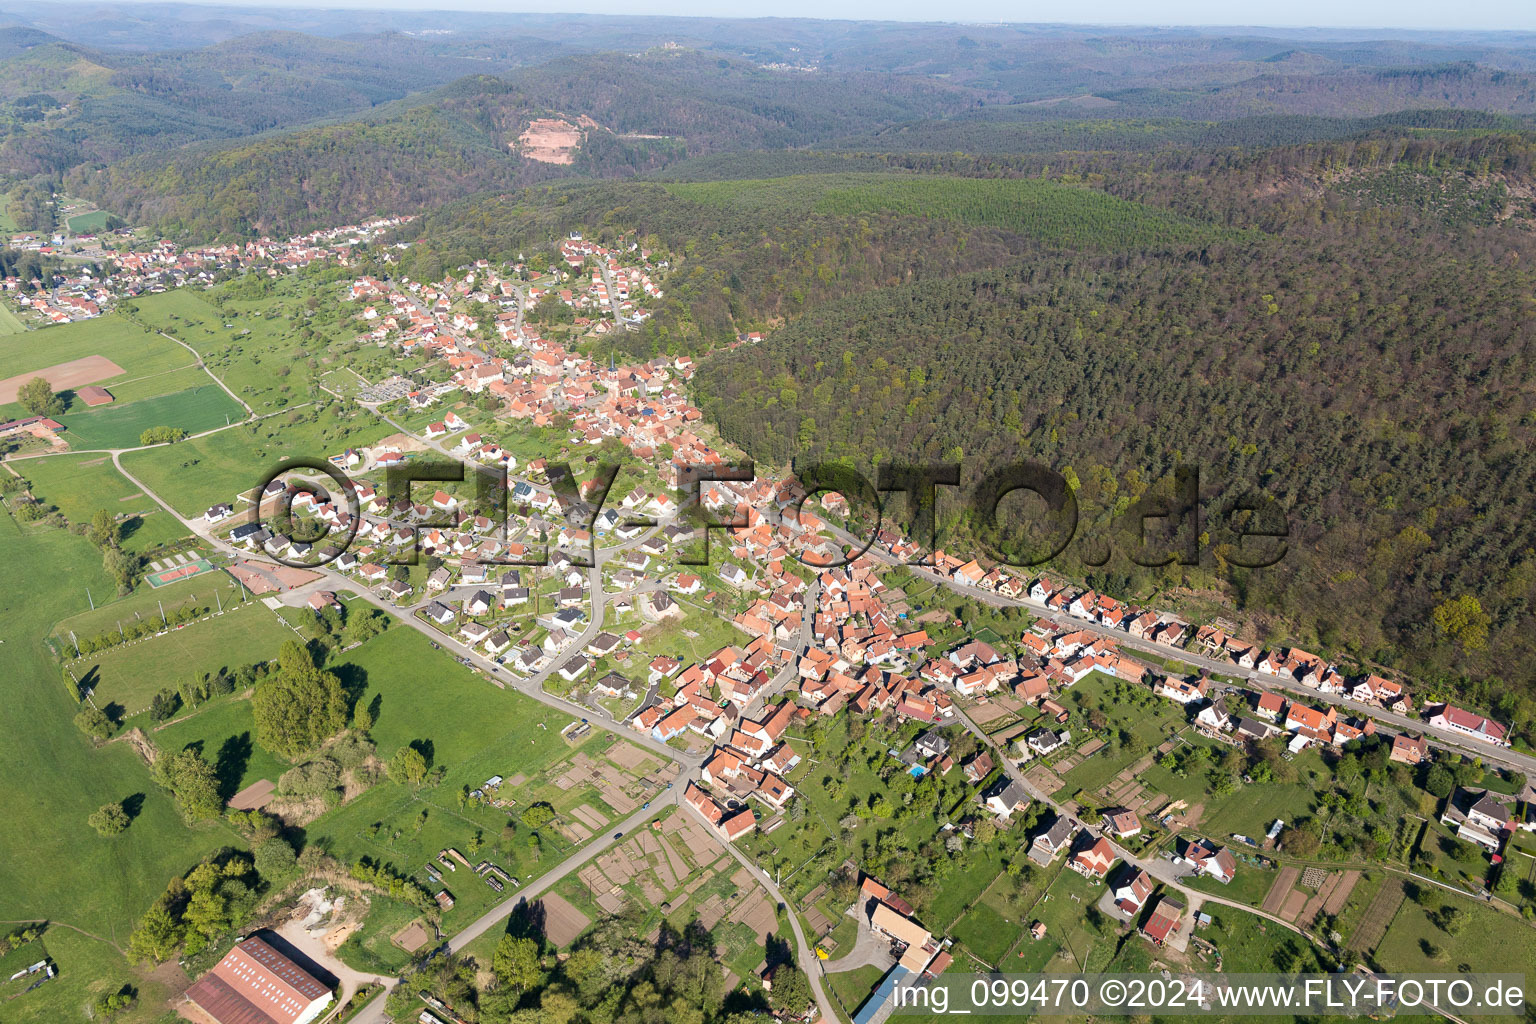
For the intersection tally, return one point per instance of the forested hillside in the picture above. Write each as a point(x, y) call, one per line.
point(68, 104)
point(1372, 376)
point(651, 110)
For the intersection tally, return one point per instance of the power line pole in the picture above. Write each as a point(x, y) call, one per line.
point(163, 620)
point(76, 643)
point(89, 598)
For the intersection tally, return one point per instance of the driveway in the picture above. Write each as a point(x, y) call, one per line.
point(868, 950)
point(314, 947)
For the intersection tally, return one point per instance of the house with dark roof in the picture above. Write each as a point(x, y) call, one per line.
point(1052, 841)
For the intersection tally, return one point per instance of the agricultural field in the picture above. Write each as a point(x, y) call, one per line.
point(130, 675)
point(52, 864)
point(140, 353)
point(676, 873)
point(120, 424)
point(232, 462)
point(81, 485)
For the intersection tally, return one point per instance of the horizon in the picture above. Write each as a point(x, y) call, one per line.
point(1415, 16)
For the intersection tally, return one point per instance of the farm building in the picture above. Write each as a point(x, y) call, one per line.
point(93, 395)
point(256, 984)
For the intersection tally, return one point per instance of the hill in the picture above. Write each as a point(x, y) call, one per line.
point(648, 111)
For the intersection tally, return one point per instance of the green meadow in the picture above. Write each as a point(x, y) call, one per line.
point(80, 485)
point(53, 865)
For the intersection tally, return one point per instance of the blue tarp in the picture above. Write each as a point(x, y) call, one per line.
point(881, 995)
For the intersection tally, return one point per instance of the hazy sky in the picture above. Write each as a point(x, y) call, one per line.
point(1402, 14)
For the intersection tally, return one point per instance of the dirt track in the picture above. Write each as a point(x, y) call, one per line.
point(73, 374)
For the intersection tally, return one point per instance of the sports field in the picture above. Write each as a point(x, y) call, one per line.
point(211, 591)
point(131, 675)
point(119, 426)
point(82, 484)
point(171, 574)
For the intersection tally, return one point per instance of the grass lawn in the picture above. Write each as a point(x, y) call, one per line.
point(81, 485)
point(1453, 860)
point(1071, 943)
point(371, 948)
point(424, 694)
point(1250, 944)
point(1250, 886)
point(851, 988)
point(712, 632)
point(960, 888)
point(1136, 720)
point(225, 733)
point(256, 344)
point(88, 968)
point(52, 864)
point(130, 675)
point(119, 425)
point(1253, 809)
point(986, 932)
point(234, 461)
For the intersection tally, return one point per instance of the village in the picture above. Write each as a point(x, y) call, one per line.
point(816, 644)
point(744, 649)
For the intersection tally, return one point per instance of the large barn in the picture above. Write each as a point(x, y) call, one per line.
point(93, 395)
point(256, 984)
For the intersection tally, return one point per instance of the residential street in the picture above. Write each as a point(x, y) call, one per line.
point(1438, 737)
